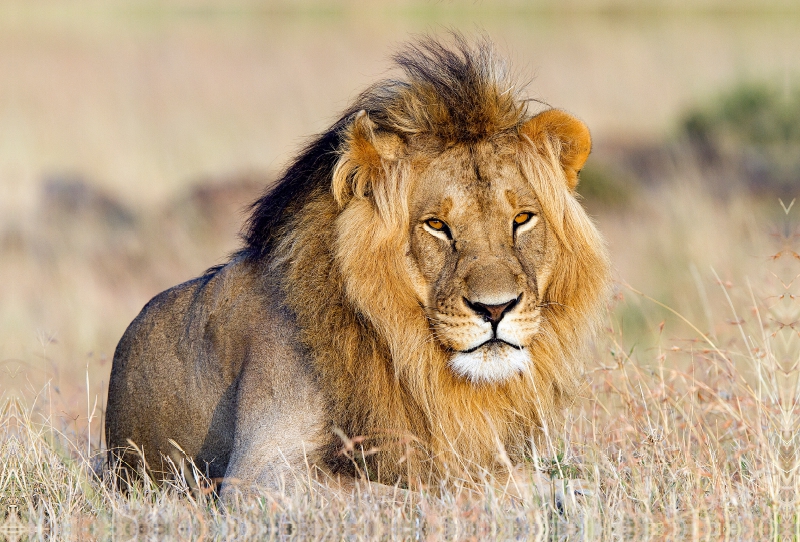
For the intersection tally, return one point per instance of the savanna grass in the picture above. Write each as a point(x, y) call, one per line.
point(693, 437)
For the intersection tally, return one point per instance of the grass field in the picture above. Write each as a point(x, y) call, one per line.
point(687, 423)
point(131, 142)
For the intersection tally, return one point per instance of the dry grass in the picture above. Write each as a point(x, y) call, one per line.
point(687, 426)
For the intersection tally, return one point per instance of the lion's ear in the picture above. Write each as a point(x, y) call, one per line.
point(368, 155)
point(568, 136)
point(371, 142)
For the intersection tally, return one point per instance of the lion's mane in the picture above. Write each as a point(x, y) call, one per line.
point(333, 229)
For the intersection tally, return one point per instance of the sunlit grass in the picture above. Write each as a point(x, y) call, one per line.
point(690, 432)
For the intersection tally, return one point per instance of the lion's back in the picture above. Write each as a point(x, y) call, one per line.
point(174, 378)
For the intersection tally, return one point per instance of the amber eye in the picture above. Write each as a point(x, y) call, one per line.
point(435, 224)
point(522, 218)
point(438, 228)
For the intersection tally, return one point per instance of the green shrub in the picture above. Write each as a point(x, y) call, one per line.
point(755, 127)
point(605, 186)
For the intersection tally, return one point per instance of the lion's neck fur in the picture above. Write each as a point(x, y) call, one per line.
point(385, 376)
point(327, 230)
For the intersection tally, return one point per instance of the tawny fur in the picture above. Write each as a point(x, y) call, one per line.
point(336, 245)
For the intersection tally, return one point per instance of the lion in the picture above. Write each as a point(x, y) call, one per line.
point(413, 300)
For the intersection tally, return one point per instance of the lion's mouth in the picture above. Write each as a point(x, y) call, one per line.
point(494, 341)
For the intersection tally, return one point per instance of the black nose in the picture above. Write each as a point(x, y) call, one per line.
point(492, 313)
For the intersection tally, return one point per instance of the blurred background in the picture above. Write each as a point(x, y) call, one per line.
point(133, 135)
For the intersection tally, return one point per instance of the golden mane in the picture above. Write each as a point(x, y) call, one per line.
point(335, 230)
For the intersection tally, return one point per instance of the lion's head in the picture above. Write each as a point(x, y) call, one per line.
point(435, 254)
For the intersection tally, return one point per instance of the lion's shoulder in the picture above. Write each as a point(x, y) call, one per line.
point(226, 301)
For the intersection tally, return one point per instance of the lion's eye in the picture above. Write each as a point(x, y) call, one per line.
point(522, 218)
point(438, 228)
point(435, 224)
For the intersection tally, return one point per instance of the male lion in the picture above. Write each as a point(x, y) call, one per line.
point(422, 277)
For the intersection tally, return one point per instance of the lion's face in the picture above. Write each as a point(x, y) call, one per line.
point(479, 258)
point(485, 236)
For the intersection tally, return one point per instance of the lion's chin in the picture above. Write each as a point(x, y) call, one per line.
point(491, 364)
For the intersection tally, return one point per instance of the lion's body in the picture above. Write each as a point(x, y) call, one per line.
point(229, 324)
point(384, 292)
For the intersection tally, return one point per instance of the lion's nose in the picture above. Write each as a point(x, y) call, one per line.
point(492, 313)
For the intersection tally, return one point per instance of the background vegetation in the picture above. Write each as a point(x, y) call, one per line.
point(132, 137)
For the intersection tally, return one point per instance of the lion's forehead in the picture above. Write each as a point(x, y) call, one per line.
point(472, 183)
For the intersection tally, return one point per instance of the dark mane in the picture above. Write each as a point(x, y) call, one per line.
point(310, 171)
point(453, 94)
